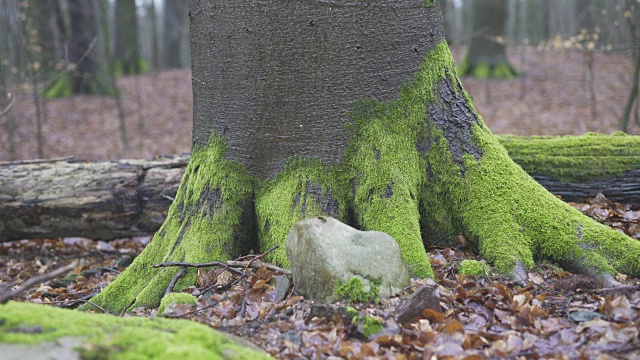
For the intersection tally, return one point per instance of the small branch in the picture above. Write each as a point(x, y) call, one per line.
point(175, 279)
point(36, 280)
point(99, 307)
point(6, 110)
point(259, 264)
point(255, 258)
point(35, 161)
point(209, 264)
point(167, 197)
point(243, 306)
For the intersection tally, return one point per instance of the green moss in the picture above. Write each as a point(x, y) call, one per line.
point(112, 337)
point(473, 267)
point(371, 326)
point(176, 298)
point(354, 291)
point(294, 195)
point(489, 199)
point(122, 69)
point(575, 158)
point(509, 216)
point(486, 70)
point(198, 228)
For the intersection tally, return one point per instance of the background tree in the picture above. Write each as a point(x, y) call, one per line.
point(127, 53)
point(486, 56)
point(366, 99)
point(83, 72)
point(175, 16)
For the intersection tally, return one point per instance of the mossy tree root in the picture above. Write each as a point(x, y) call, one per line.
point(211, 218)
point(473, 188)
point(305, 188)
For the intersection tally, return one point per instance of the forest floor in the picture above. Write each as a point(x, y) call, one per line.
point(552, 97)
point(556, 315)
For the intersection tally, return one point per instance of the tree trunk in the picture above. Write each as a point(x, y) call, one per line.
point(111, 200)
point(486, 56)
point(127, 54)
point(272, 83)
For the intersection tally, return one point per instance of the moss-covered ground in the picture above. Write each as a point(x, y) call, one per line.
point(102, 336)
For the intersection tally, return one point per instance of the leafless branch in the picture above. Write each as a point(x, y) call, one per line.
point(36, 280)
point(6, 110)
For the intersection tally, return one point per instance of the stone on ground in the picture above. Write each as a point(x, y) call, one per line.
point(323, 253)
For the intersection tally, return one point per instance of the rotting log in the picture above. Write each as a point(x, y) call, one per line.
point(102, 200)
point(114, 199)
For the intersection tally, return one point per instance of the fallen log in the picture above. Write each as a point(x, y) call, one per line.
point(102, 200)
point(114, 199)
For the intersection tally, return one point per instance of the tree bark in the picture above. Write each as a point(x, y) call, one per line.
point(111, 200)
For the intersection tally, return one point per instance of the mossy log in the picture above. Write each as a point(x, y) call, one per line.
point(114, 199)
point(39, 331)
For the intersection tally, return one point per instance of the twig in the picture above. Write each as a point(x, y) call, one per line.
point(167, 197)
point(35, 161)
point(175, 279)
point(6, 110)
point(99, 307)
point(259, 257)
point(170, 315)
point(209, 264)
point(259, 264)
point(36, 280)
point(243, 306)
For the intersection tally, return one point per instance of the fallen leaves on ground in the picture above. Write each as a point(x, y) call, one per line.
point(556, 315)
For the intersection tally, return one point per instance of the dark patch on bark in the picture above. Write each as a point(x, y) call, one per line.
point(454, 117)
point(388, 192)
point(179, 241)
point(210, 199)
point(296, 200)
point(246, 233)
point(328, 204)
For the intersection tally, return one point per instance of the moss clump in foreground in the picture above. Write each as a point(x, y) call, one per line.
point(474, 268)
point(104, 336)
point(171, 299)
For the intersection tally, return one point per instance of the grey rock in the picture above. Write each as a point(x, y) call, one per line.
point(322, 251)
point(281, 283)
point(425, 297)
